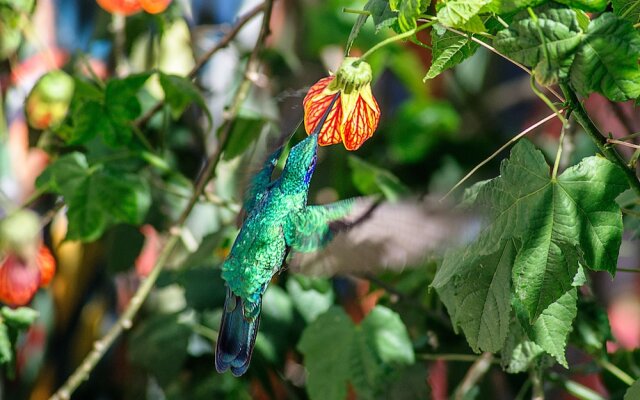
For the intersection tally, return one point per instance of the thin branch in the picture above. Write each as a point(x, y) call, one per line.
point(504, 146)
point(615, 371)
point(125, 321)
point(632, 270)
point(473, 375)
point(623, 143)
point(611, 154)
point(452, 357)
point(492, 49)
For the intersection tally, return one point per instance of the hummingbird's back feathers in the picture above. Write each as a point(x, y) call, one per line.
point(385, 236)
point(260, 182)
point(237, 336)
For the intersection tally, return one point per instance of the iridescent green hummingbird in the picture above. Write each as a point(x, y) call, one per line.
point(278, 220)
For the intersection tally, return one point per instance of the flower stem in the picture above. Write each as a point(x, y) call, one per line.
point(615, 371)
point(395, 38)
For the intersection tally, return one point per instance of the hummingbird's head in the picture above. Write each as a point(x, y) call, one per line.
point(301, 162)
point(302, 159)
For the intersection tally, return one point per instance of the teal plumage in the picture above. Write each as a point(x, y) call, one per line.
point(278, 219)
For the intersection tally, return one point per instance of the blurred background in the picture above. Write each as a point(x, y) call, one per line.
point(430, 135)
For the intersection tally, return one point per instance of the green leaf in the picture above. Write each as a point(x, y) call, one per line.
point(627, 9)
point(246, 130)
point(97, 197)
point(607, 60)
point(307, 299)
point(483, 297)
point(462, 14)
point(19, 318)
point(338, 353)
point(123, 107)
point(552, 328)
point(558, 223)
point(90, 120)
point(6, 349)
point(381, 14)
point(449, 50)
point(369, 179)
point(586, 5)
point(408, 12)
point(633, 392)
point(159, 344)
point(547, 43)
point(519, 353)
point(179, 92)
point(591, 328)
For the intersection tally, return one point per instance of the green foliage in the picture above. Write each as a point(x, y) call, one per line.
point(552, 225)
point(98, 196)
point(607, 61)
point(548, 42)
point(338, 353)
point(627, 9)
point(408, 12)
point(179, 93)
point(12, 323)
point(369, 179)
point(449, 50)
point(462, 14)
point(633, 392)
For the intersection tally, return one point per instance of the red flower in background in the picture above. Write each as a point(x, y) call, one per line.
point(130, 7)
point(21, 278)
point(355, 114)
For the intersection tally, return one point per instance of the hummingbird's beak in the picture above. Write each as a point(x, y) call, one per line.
point(324, 117)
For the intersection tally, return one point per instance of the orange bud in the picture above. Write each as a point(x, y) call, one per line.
point(155, 6)
point(125, 7)
point(46, 264)
point(19, 281)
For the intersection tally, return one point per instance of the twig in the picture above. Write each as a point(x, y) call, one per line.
point(492, 49)
point(611, 154)
point(504, 146)
point(125, 320)
point(473, 375)
point(451, 357)
point(623, 143)
point(615, 371)
point(224, 42)
point(537, 387)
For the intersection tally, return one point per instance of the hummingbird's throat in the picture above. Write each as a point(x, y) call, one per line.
point(352, 75)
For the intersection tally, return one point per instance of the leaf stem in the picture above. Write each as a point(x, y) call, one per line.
point(614, 370)
point(125, 321)
point(632, 270)
point(622, 143)
point(495, 153)
point(395, 38)
point(355, 11)
point(536, 381)
point(611, 154)
point(452, 357)
point(473, 375)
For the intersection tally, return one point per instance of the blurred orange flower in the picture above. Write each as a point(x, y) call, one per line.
point(130, 7)
point(355, 114)
point(20, 278)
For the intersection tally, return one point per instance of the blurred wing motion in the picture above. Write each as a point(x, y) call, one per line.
point(311, 229)
point(387, 236)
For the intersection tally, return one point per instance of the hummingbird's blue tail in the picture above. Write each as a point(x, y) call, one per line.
point(236, 337)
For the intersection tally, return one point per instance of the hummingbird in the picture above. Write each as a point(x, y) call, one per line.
point(278, 220)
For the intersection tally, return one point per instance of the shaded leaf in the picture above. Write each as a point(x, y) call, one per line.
point(19, 318)
point(179, 92)
point(586, 5)
point(307, 299)
point(369, 179)
point(547, 43)
point(633, 392)
point(449, 50)
point(627, 9)
point(462, 14)
point(408, 12)
point(607, 60)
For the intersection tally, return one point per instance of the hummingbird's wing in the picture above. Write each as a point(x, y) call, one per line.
point(260, 182)
point(387, 236)
point(311, 229)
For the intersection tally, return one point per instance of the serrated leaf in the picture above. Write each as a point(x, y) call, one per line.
point(558, 223)
point(449, 50)
point(519, 353)
point(338, 353)
point(552, 328)
point(627, 9)
point(179, 92)
point(89, 120)
point(547, 44)
point(462, 14)
point(64, 174)
point(483, 296)
point(408, 12)
point(607, 60)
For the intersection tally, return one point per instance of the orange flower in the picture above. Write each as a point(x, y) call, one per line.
point(355, 114)
point(130, 7)
point(20, 279)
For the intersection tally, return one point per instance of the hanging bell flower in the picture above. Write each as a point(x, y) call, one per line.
point(354, 116)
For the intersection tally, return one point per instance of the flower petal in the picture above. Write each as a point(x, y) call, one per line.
point(315, 104)
point(361, 124)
